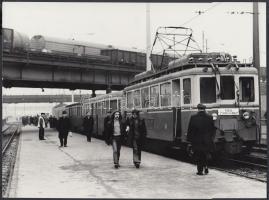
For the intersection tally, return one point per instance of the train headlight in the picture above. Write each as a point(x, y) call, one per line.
point(215, 116)
point(190, 59)
point(246, 115)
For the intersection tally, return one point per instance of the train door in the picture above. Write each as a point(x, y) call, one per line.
point(176, 103)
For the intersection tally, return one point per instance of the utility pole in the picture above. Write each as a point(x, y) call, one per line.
point(256, 45)
point(148, 36)
point(203, 38)
point(206, 46)
point(256, 55)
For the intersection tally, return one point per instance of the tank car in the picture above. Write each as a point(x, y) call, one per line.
point(14, 41)
point(46, 44)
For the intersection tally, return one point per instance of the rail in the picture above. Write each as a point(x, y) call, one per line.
point(8, 138)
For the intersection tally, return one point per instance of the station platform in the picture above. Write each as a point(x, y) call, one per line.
point(85, 170)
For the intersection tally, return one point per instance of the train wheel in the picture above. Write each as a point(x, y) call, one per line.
point(189, 150)
point(248, 148)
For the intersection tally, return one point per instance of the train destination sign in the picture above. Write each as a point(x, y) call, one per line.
point(228, 111)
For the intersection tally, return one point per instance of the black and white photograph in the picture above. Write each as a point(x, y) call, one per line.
point(140, 100)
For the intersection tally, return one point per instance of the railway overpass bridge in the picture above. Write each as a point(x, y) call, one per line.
point(41, 70)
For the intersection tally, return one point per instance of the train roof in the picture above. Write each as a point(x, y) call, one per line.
point(73, 104)
point(194, 60)
point(105, 96)
point(59, 105)
point(191, 71)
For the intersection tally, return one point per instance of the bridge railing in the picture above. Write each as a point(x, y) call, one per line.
point(70, 58)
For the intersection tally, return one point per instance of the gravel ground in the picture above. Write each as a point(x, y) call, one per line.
point(8, 161)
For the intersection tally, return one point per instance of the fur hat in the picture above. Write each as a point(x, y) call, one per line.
point(201, 106)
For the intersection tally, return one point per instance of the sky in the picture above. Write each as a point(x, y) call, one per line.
point(124, 24)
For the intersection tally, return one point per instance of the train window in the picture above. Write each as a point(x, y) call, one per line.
point(120, 57)
point(137, 99)
point(93, 109)
point(145, 97)
point(99, 108)
point(208, 90)
point(246, 89)
point(187, 91)
point(227, 87)
point(104, 109)
point(154, 96)
point(80, 111)
point(130, 101)
point(107, 105)
point(119, 104)
point(166, 94)
point(176, 92)
point(113, 105)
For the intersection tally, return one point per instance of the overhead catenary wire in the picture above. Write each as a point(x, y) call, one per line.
point(210, 8)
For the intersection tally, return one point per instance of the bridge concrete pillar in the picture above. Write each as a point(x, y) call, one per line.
point(72, 96)
point(108, 90)
point(93, 93)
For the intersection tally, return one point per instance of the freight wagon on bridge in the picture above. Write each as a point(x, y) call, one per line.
point(14, 41)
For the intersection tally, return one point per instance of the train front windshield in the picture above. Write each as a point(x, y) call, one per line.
point(227, 89)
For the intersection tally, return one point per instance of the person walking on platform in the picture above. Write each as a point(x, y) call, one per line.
point(41, 125)
point(115, 133)
point(63, 128)
point(137, 133)
point(50, 121)
point(201, 132)
point(106, 120)
point(88, 126)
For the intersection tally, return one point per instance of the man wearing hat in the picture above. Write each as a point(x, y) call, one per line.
point(88, 126)
point(201, 131)
point(137, 132)
point(63, 128)
point(41, 125)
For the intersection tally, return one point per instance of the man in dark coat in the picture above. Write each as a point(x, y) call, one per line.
point(63, 127)
point(50, 121)
point(115, 131)
point(136, 136)
point(88, 126)
point(41, 125)
point(201, 132)
point(106, 128)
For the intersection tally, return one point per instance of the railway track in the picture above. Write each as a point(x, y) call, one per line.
point(8, 135)
point(10, 139)
point(243, 168)
point(252, 166)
